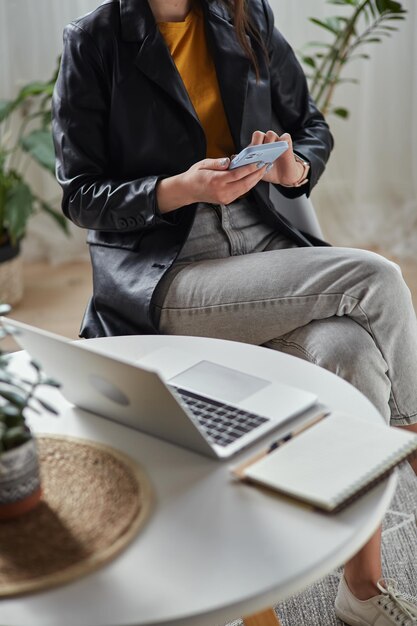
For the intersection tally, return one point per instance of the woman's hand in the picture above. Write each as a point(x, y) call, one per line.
point(208, 180)
point(285, 170)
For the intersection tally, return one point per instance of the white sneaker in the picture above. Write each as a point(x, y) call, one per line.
point(390, 608)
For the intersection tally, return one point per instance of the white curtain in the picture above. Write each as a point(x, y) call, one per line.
point(368, 194)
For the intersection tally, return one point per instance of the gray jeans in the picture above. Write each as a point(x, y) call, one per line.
point(345, 309)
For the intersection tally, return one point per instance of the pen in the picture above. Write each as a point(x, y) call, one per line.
point(279, 442)
point(239, 472)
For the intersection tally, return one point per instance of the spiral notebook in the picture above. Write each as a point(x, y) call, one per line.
point(333, 462)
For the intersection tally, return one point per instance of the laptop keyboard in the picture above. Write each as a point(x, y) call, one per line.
point(222, 423)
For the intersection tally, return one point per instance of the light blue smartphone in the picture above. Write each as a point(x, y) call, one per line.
point(265, 153)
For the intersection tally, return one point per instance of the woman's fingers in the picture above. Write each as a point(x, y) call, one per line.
point(287, 137)
point(248, 181)
point(271, 136)
point(257, 138)
point(226, 186)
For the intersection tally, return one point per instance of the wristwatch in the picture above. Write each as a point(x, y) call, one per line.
point(304, 176)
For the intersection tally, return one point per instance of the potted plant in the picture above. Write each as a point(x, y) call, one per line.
point(25, 134)
point(20, 489)
point(365, 22)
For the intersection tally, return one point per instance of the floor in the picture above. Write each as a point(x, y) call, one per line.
point(54, 298)
point(56, 295)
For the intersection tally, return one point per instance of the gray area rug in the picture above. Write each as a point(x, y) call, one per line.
point(314, 606)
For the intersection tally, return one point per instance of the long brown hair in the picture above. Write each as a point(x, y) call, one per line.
point(243, 27)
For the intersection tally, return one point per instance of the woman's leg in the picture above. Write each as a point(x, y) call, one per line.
point(258, 297)
point(345, 348)
point(413, 429)
point(342, 346)
point(360, 310)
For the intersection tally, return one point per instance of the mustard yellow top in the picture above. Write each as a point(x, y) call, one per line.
point(187, 44)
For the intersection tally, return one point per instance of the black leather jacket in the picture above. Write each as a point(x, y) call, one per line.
point(122, 120)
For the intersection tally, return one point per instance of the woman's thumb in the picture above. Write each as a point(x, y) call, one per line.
point(223, 163)
point(214, 164)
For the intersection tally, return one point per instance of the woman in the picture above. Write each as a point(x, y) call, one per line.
point(151, 101)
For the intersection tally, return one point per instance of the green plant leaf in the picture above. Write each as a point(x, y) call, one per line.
point(359, 56)
point(388, 6)
point(6, 107)
point(5, 359)
point(17, 399)
point(34, 409)
point(35, 88)
point(308, 60)
point(47, 406)
point(2, 433)
point(369, 11)
point(13, 383)
point(40, 146)
point(59, 218)
point(13, 420)
point(5, 377)
point(9, 410)
point(15, 437)
point(51, 382)
point(19, 207)
point(343, 2)
point(353, 81)
point(46, 120)
point(395, 17)
point(36, 366)
point(341, 112)
point(318, 44)
point(371, 40)
point(329, 23)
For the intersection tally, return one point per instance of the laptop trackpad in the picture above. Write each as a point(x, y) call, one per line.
point(219, 382)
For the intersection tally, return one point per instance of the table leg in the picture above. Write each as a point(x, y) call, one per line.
point(266, 618)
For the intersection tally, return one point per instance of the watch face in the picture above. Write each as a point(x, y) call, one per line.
point(304, 177)
point(300, 160)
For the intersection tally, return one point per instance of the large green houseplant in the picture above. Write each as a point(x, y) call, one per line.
point(25, 135)
point(20, 488)
point(363, 22)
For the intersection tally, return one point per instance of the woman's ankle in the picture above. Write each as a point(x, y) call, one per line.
point(362, 589)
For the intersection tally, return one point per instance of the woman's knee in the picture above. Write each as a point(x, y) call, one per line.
point(385, 275)
point(343, 347)
point(337, 343)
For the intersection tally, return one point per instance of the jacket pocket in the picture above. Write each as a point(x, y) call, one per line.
point(126, 241)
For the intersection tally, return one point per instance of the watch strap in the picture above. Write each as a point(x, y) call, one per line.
point(304, 176)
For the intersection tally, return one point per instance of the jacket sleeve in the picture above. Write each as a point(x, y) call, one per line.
point(294, 108)
point(92, 198)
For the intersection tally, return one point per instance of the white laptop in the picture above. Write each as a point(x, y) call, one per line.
point(205, 407)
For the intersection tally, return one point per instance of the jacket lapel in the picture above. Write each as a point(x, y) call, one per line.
point(154, 60)
point(232, 65)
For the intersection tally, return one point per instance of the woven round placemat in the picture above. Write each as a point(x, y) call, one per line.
point(95, 499)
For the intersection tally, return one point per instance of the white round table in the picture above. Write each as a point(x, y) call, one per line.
point(213, 549)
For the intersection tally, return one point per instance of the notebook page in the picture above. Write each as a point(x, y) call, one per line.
point(332, 460)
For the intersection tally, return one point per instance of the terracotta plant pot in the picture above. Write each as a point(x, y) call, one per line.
point(11, 273)
point(20, 489)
